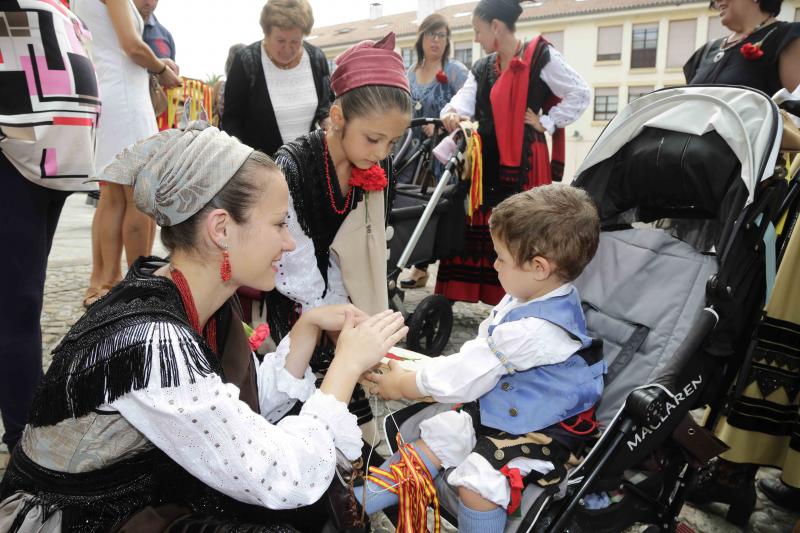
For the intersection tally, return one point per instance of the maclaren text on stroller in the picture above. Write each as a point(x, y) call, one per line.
point(688, 186)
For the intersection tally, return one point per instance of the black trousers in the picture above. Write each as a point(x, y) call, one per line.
point(28, 218)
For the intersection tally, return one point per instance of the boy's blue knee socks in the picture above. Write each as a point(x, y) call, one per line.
point(379, 498)
point(471, 521)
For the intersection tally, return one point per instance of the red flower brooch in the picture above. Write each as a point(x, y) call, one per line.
point(441, 77)
point(372, 179)
point(751, 51)
point(516, 65)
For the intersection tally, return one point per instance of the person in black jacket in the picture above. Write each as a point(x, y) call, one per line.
point(279, 88)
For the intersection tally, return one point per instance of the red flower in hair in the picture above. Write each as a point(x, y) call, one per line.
point(441, 77)
point(372, 179)
point(516, 65)
point(751, 51)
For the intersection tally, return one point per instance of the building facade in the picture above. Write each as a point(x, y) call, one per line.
point(622, 48)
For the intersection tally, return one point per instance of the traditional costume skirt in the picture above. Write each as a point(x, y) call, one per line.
point(763, 426)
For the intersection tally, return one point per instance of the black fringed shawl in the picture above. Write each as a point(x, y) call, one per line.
point(109, 351)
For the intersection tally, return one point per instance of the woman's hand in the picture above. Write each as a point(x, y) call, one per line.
point(359, 349)
point(169, 78)
point(532, 119)
point(332, 317)
point(428, 130)
point(451, 121)
point(364, 345)
point(171, 64)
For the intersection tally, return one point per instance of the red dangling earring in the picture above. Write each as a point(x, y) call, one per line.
point(225, 267)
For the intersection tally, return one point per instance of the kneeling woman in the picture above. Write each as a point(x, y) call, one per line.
point(154, 411)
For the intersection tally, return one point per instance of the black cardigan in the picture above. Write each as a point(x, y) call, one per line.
point(248, 113)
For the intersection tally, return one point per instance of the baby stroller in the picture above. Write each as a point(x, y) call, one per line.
point(687, 188)
point(424, 225)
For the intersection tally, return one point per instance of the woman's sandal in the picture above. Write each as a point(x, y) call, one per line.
point(93, 294)
point(417, 279)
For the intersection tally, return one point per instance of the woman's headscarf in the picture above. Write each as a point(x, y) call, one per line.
point(175, 173)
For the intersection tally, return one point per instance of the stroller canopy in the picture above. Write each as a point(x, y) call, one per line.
point(746, 119)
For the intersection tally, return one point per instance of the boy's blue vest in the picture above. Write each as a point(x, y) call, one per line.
point(541, 396)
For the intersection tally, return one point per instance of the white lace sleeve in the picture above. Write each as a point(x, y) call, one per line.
point(568, 85)
point(298, 277)
point(205, 428)
point(279, 390)
point(463, 102)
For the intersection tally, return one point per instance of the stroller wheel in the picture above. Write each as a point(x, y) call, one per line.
point(430, 325)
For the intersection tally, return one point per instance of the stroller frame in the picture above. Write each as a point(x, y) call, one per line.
point(431, 322)
point(654, 422)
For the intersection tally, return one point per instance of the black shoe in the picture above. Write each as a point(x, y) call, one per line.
point(781, 494)
point(728, 483)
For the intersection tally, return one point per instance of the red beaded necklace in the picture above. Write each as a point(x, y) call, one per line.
point(344, 209)
point(191, 309)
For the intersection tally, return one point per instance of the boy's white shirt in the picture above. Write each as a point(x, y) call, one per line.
point(475, 370)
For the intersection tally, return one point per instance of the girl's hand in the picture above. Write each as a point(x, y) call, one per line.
point(363, 346)
point(332, 317)
point(532, 120)
point(388, 386)
point(428, 129)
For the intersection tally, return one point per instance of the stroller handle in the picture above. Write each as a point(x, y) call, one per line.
point(423, 121)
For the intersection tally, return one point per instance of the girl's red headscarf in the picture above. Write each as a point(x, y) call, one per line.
point(369, 63)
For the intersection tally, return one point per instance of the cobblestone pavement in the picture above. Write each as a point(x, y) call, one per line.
point(68, 272)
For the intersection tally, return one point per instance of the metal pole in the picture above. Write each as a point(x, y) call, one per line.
point(427, 213)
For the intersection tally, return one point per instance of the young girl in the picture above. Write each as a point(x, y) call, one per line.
point(372, 109)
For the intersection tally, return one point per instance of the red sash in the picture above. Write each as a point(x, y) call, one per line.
point(509, 99)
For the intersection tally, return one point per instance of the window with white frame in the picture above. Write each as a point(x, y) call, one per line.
point(680, 41)
point(797, 14)
point(638, 90)
point(609, 43)
point(556, 38)
point(716, 30)
point(644, 45)
point(463, 52)
point(331, 64)
point(408, 56)
point(606, 102)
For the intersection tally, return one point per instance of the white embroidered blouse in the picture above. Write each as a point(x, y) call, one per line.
point(259, 459)
point(563, 81)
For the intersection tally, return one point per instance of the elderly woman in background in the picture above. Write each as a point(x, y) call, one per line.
point(122, 60)
point(155, 415)
point(762, 53)
point(434, 79)
point(278, 89)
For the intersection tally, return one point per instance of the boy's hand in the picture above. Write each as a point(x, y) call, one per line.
point(389, 386)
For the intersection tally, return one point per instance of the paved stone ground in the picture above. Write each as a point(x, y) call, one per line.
point(68, 272)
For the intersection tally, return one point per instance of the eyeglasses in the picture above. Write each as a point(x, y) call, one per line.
point(433, 35)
